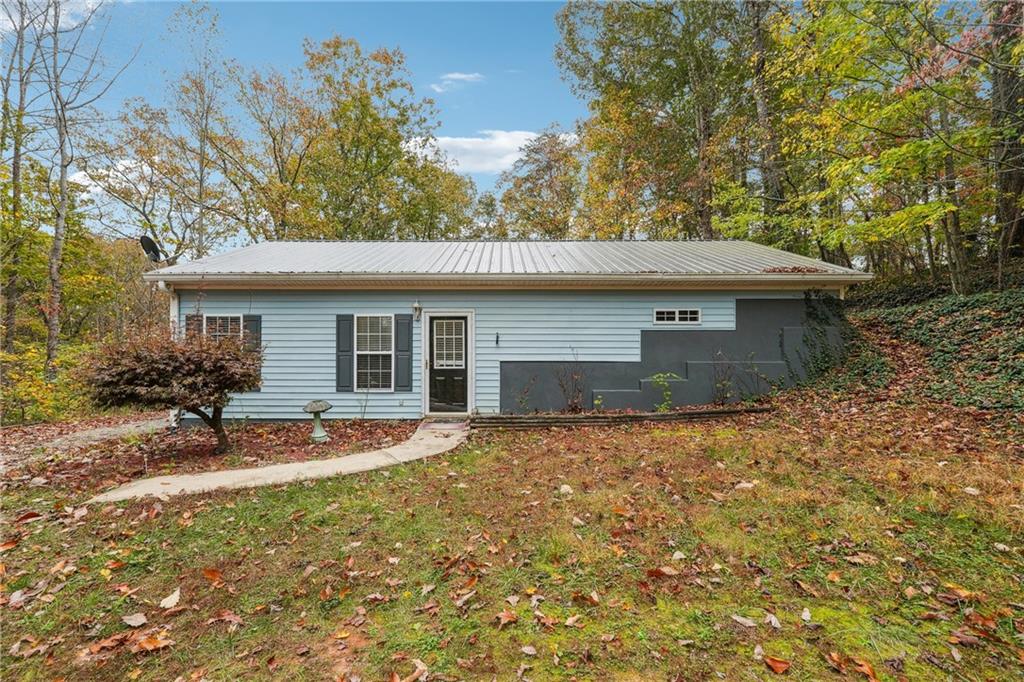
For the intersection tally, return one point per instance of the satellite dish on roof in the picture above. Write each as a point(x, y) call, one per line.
point(150, 247)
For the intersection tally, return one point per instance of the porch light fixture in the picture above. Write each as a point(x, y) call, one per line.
point(417, 309)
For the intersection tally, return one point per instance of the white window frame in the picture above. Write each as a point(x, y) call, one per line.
point(461, 365)
point(241, 328)
point(676, 321)
point(356, 353)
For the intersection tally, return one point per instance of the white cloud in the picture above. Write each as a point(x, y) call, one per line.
point(466, 77)
point(455, 80)
point(71, 12)
point(491, 151)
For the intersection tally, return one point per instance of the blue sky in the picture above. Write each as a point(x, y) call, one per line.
point(502, 82)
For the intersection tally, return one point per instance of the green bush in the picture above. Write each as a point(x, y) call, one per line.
point(26, 396)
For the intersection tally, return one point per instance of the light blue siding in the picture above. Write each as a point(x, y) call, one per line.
point(299, 337)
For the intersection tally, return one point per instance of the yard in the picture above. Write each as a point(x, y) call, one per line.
point(859, 531)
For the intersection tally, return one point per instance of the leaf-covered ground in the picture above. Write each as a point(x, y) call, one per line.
point(851, 534)
point(190, 450)
point(975, 345)
point(19, 441)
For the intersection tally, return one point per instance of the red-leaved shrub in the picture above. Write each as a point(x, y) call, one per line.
point(153, 369)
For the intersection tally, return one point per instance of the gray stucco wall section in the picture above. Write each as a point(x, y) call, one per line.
point(774, 344)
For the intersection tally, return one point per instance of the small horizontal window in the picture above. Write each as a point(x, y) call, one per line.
point(222, 326)
point(677, 316)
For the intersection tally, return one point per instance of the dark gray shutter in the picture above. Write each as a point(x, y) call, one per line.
point(193, 325)
point(403, 352)
point(252, 331)
point(344, 371)
point(252, 334)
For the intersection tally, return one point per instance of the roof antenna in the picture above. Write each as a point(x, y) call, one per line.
point(151, 249)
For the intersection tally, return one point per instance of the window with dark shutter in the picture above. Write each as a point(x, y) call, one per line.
point(193, 325)
point(252, 331)
point(403, 352)
point(343, 357)
point(252, 334)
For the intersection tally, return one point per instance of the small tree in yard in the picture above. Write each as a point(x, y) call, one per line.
point(153, 369)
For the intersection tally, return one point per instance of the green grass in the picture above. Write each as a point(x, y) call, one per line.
point(489, 518)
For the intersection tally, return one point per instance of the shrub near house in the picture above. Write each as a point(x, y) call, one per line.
point(153, 369)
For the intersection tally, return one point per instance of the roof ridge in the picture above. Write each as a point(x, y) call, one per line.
point(518, 259)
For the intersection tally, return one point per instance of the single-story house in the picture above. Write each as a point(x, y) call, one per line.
point(407, 329)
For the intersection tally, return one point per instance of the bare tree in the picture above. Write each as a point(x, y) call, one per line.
point(73, 74)
point(145, 180)
point(156, 168)
point(266, 170)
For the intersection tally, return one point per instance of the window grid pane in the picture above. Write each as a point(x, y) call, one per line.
point(664, 316)
point(373, 371)
point(223, 326)
point(688, 316)
point(373, 334)
point(374, 342)
point(680, 316)
point(449, 344)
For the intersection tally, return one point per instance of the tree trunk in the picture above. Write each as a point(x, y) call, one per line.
point(951, 221)
point(55, 296)
point(704, 187)
point(771, 174)
point(1006, 17)
point(215, 420)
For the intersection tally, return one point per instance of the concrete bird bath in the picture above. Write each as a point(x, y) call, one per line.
point(315, 407)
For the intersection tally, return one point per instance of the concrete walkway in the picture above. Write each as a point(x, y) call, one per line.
point(431, 438)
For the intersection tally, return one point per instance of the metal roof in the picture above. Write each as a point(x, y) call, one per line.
point(505, 263)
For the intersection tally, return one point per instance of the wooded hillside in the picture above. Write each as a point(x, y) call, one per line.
point(887, 136)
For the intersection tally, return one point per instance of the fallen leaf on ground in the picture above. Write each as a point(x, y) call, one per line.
point(777, 665)
point(171, 600)
point(28, 516)
point(745, 622)
point(215, 576)
point(135, 620)
point(865, 669)
point(862, 559)
point(662, 572)
point(154, 642)
point(506, 617)
point(837, 661)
